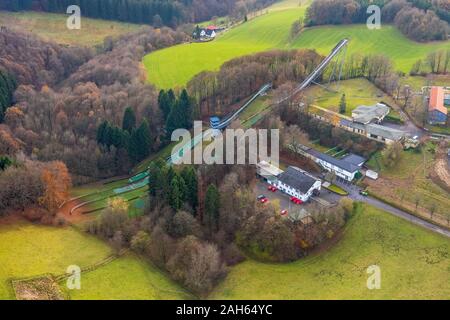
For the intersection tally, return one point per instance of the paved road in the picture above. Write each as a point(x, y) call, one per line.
point(354, 194)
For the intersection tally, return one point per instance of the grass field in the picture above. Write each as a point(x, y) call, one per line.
point(28, 250)
point(357, 92)
point(127, 278)
point(414, 264)
point(52, 26)
point(175, 66)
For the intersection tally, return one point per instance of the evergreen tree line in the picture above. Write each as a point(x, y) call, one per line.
point(16, 5)
point(136, 140)
point(156, 12)
point(180, 191)
point(7, 88)
point(178, 112)
point(176, 189)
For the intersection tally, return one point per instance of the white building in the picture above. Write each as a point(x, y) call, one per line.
point(298, 183)
point(346, 168)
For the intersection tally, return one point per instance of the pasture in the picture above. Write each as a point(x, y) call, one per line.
point(357, 92)
point(175, 66)
point(414, 264)
point(52, 27)
point(28, 250)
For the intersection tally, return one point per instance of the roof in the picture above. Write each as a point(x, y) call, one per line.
point(365, 114)
point(347, 166)
point(354, 159)
point(212, 27)
point(299, 215)
point(268, 169)
point(437, 100)
point(375, 129)
point(385, 132)
point(297, 179)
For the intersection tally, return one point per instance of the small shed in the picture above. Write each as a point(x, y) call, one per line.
point(372, 174)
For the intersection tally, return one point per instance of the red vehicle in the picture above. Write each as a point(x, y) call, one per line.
point(296, 200)
point(262, 198)
point(284, 212)
point(272, 188)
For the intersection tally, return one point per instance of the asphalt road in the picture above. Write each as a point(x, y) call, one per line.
point(354, 195)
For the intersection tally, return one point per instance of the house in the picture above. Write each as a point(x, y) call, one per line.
point(347, 168)
point(437, 112)
point(368, 114)
point(298, 183)
point(373, 131)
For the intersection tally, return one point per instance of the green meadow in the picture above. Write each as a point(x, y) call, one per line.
point(175, 66)
point(28, 250)
point(414, 264)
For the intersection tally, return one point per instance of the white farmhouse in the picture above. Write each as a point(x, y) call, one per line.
point(298, 183)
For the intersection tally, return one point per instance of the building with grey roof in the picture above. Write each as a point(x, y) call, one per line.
point(343, 168)
point(368, 114)
point(373, 131)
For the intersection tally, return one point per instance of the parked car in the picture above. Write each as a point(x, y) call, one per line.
point(363, 193)
point(284, 212)
point(296, 200)
point(272, 188)
point(262, 198)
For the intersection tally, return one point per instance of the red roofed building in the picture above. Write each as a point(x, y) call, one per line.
point(437, 112)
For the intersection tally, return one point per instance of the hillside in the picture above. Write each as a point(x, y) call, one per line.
point(57, 248)
point(175, 66)
point(52, 27)
point(413, 262)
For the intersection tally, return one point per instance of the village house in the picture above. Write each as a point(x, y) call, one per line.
point(294, 181)
point(298, 183)
point(437, 112)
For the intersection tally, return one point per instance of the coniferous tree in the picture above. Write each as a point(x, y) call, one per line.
point(190, 178)
point(212, 207)
point(342, 105)
point(129, 120)
point(176, 193)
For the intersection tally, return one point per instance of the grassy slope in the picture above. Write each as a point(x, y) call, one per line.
point(414, 264)
point(127, 278)
point(53, 27)
point(357, 92)
point(29, 250)
point(388, 41)
point(174, 66)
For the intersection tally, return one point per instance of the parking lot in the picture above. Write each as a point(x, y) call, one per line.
point(326, 197)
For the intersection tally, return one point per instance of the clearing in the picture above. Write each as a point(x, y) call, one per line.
point(52, 27)
point(414, 264)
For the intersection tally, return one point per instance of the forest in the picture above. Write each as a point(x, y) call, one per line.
point(7, 88)
point(153, 12)
point(65, 93)
point(419, 20)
